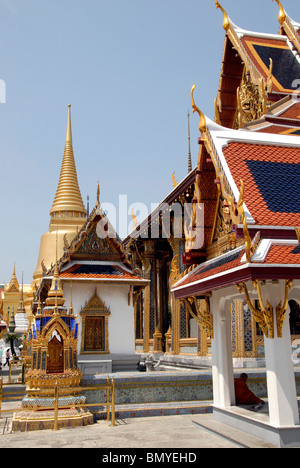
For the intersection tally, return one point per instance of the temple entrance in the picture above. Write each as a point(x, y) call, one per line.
point(94, 338)
point(55, 359)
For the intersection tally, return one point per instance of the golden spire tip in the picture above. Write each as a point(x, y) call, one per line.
point(69, 129)
point(98, 195)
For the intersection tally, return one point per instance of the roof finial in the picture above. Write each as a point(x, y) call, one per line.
point(134, 219)
point(98, 195)
point(69, 129)
point(226, 21)
point(190, 167)
point(202, 124)
point(174, 181)
point(282, 13)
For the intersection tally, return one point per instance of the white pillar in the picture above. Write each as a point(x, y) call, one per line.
point(222, 366)
point(282, 395)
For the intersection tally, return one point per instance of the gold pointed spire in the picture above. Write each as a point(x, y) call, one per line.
point(21, 308)
point(14, 284)
point(55, 294)
point(98, 195)
point(68, 201)
point(69, 128)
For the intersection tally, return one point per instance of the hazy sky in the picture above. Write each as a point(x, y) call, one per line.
point(127, 68)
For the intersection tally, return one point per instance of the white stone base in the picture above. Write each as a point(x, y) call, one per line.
point(108, 363)
point(95, 367)
point(257, 424)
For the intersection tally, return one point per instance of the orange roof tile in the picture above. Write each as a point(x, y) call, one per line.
point(271, 199)
point(95, 271)
point(229, 268)
point(283, 254)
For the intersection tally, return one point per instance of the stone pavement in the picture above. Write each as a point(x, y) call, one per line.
point(159, 432)
point(178, 432)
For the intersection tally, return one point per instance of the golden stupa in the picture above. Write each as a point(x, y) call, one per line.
point(68, 213)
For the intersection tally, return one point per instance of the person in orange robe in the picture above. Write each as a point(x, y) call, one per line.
point(243, 394)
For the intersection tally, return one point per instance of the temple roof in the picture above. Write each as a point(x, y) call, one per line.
point(273, 259)
point(269, 167)
point(104, 271)
point(270, 61)
point(96, 254)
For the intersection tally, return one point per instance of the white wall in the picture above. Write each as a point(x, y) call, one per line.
point(121, 320)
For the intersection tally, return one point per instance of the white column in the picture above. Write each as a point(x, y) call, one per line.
point(222, 366)
point(282, 395)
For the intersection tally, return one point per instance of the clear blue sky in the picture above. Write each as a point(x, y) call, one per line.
point(127, 67)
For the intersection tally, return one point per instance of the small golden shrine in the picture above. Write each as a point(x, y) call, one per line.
point(52, 349)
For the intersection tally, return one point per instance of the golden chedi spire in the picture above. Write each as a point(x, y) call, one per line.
point(14, 284)
point(68, 200)
point(68, 213)
point(55, 295)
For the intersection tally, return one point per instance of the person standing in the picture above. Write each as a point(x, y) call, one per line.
point(7, 358)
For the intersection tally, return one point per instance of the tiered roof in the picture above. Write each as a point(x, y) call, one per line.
point(270, 61)
point(257, 168)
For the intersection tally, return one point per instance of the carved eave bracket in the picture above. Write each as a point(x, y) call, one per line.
point(202, 316)
point(282, 308)
point(264, 314)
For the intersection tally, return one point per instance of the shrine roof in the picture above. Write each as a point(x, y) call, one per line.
point(268, 165)
point(273, 259)
point(103, 271)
